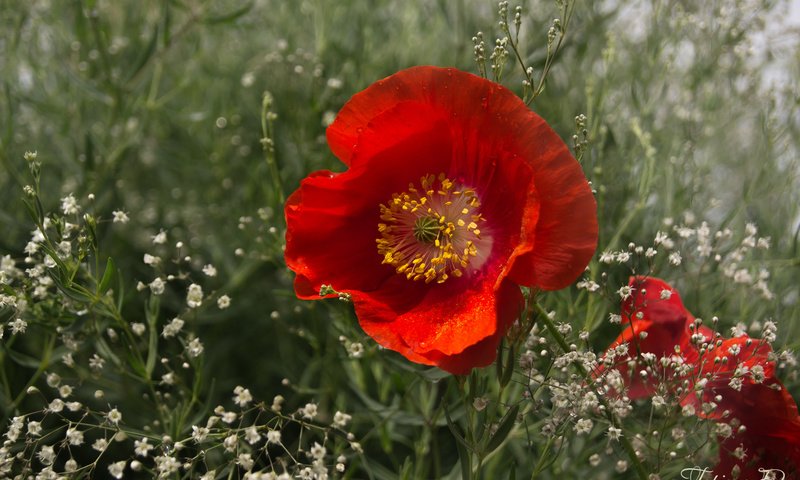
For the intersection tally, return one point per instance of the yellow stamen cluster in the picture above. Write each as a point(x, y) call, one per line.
point(430, 233)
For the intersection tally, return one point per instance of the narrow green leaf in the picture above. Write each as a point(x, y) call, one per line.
point(22, 359)
point(228, 17)
point(433, 374)
point(105, 282)
point(405, 470)
point(152, 327)
point(509, 366)
point(506, 424)
point(455, 429)
point(465, 461)
point(146, 55)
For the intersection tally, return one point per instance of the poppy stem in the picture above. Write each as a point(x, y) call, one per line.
point(544, 318)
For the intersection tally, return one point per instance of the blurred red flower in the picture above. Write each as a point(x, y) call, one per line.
point(455, 194)
point(731, 381)
point(655, 322)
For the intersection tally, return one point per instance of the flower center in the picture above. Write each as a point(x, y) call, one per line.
point(433, 233)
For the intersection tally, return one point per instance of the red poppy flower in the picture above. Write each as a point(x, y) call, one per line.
point(735, 375)
point(742, 385)
point(455, 194)
point(655, 322)
point(770, 438)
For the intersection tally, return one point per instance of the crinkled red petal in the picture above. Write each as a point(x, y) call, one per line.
point(456, 329)
point(772, 436)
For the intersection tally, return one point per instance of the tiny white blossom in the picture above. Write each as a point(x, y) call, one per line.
point(245, 460)
point(606, 257)
point(210, 270)
point(151, 260)
point(625, 292)
point(614, 433)
point(18, 325)
point(194, 348)
point(194, 295)
point(138, 328)
point(230, 442)
point(666, 294)
point(96, 362)
point(117, 469)
point(100, 444)
point(224, 302)
point(142, 447)
point(65, 391)
point(340, 419)
point(74, 436)
point(172, 328)
point(157, 286)
point(251, 435)
point(114, 416)
point(309, 411)
point(69, 205)
point(242, 396)
point(120, 216)
point(274, 436)
point(317, 451)
point(355, 350)
point(46, 455)
point(34, 428)
point(199, 434)
point(160, 238)
point(675, 258)
point(584, 425)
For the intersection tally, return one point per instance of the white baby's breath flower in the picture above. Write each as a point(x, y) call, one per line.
point(194, 296)
point(117, 469)
point(160, 238)
point(34, 428)
point(114, 416)
point(584, 425)
point(172, 328)
point(242, 396)
point(230, 442)
point(224, 302)
point(274, 436)
point(309, 411)
point(120, 216)
point(625, 292)
point(251, 435)
point(18, 326)
point(69, 205)
point(199, 434)
point(194, 348)
point(340, 419)
point(157, 286)
point(317, 451)
point(74, 436)
point(210, 270)
point(141, 447)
